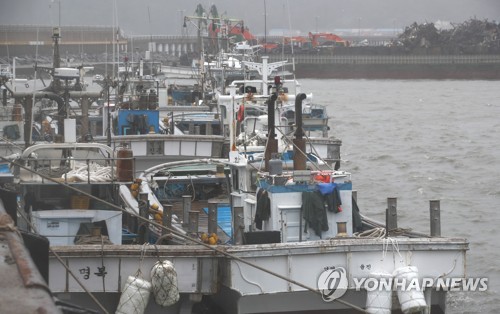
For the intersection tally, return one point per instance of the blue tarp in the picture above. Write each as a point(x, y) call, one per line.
point(4, 168)
point(223, 219)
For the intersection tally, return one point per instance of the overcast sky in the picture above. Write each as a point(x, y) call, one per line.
point(157, 17)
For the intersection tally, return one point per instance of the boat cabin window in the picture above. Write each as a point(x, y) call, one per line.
point(316, 113)
point(248, 89)
point(205, 128)
point(155, 147)
point(12, 132)
point(50, 197)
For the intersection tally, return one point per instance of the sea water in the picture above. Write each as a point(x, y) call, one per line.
point(421, 140)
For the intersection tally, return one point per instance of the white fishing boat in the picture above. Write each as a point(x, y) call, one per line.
point(245, 109)
point(69, 194)
point(269, 261)
point(298, 242)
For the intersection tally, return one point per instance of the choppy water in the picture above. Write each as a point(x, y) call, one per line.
point(420, 140)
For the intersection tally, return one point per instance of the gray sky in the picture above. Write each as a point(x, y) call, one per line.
point(147, 17)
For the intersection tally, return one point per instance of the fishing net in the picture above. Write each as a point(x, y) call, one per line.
point(164, 283)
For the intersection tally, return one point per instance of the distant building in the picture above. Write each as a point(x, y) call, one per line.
point(284, 32)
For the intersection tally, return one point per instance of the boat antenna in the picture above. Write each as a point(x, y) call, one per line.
point(113, 36)
point(291, 41)
point(265, 27)
point(150, 41)
point(30, 138)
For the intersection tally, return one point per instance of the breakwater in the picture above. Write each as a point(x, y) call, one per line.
point(485, 67)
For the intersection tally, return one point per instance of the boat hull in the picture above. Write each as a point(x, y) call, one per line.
point(238, 287)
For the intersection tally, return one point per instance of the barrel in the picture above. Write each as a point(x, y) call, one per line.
point(124, 164)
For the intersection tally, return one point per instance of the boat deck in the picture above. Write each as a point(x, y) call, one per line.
point(201, 206)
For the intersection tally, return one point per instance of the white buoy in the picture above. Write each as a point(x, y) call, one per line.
point(135, 296)
point(164, 283)
point(379, 299)
point(411, 300)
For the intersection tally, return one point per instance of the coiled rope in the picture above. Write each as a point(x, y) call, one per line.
point(93, 172)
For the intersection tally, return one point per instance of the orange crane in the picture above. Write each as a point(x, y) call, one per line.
point(327, 40)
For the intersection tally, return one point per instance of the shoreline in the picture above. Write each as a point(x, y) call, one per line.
point(399, 71)
point(437, 67)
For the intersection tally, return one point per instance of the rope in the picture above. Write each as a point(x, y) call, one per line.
point(395, 247)
point(92, 172)
point(248, 280)
point(399, 231)
point(194, 240)
point(376, 233)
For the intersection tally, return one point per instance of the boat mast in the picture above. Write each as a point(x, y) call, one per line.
point(56, 82)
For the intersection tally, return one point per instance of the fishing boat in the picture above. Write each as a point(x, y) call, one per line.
point(131, 110)
point(139, 115)
point(246, 108)
point(298, 242)
point(69, 195)
point(295, 242)
point(281, 252)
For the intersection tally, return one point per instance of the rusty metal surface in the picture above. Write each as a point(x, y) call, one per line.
point(132, 250)
point(23, 289)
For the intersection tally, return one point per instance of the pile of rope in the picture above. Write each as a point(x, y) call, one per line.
point(375, 233)
point(92, 171)
point(380, 232)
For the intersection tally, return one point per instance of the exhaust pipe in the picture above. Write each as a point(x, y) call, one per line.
point(272, 142)
point(299, 143)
